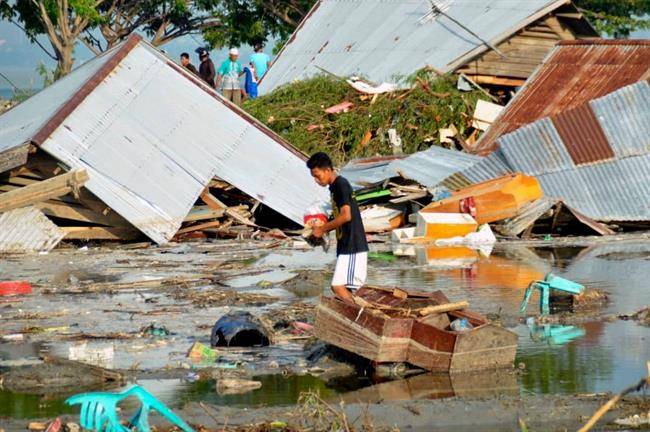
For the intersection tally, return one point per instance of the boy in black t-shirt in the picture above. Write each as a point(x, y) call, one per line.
point(351, 245)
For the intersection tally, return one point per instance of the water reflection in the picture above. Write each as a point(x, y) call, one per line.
point(487, 384)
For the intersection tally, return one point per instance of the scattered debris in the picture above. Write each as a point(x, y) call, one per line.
point(239, 329)
point(11, 288)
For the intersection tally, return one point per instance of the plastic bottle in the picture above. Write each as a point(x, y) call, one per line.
point(460, 325)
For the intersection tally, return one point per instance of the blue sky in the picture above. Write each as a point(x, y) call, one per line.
point(19, 57)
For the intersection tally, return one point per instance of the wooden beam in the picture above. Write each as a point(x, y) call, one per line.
point(215, 204)
point(558, 28)
point(80, 213)
point(100, 233)
point(43, 191)
point(199, 213)
point(199, 227)
point(495, 80)
point(570, 15)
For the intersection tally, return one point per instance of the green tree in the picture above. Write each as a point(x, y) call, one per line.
point(617, 18)
point(62, 21)
point(256, 21)
point(161, 20)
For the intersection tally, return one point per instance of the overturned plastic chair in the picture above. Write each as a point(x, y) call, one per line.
point(98, 411)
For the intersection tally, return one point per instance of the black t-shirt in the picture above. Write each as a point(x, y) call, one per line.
point(350, 237)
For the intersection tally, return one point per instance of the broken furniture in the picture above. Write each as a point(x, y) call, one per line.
point(550, 282)
point(492, 200)
point(99, 411)
point(395, 325)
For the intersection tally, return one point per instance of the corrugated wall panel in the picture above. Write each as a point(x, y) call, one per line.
point(27, 230)
point(536, 148)
point(625, 118)
point(583, 137)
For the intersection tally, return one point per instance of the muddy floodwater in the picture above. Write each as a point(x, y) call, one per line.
point(98, 300)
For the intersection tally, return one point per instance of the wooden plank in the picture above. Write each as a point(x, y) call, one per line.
point(100, 233)
point(80, 213)
point(199, 213)
point(448, 307)
point(212, 224)
point(215, 204)
point(495, 80)
point(13, 158)
point(559, 28)
point(42, 191)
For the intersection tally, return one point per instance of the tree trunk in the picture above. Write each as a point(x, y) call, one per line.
point(65, 60)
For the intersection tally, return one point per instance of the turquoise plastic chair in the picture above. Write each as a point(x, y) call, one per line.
point(98, 411)
point(550, 282)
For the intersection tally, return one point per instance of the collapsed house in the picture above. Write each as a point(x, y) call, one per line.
point(580, 126)
point(497, 42)
point(149, 137)
point(574, 73)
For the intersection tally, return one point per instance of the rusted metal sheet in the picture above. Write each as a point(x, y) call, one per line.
point(27, 230)
point(606, 183)
point(583, 137)
point(574, 73)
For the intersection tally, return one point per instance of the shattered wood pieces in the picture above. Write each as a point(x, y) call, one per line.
point(532, 213)
point(26, 229)
point(215, 204)
point(217, 297)
point(162, 282)
point(201, 213)
point(42, 191)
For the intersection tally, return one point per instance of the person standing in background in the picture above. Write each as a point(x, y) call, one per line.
point(185, 62)
point(260, 60)
point(228, 77)
point(206, 68)
point(250, 81)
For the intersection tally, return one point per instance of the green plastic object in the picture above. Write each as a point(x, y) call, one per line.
point(382, 256)
point(550, 282)
point(98, 411)
point(372, 195)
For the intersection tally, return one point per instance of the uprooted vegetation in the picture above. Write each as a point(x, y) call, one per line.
point(297, 112)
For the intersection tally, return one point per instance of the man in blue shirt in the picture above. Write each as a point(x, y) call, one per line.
point(228, 77)
point(260, 60)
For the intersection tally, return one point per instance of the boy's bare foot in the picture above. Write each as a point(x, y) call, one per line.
point(343, 294)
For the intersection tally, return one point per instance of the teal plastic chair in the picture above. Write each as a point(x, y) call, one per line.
point(550, 282)
point(98, 411)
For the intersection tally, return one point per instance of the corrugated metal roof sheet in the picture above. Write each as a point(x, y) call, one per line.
point(608, 189)
point(432, 166)
point(27, 230)
point(428, 167)
point(17, 128)
point(574, 73)
point(492, 166)
point(152, 136)
point(387, 40)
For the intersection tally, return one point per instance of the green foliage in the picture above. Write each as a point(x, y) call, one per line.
point(417, 115)
point(617, 18)
point(46, 75)
point(256, 21)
